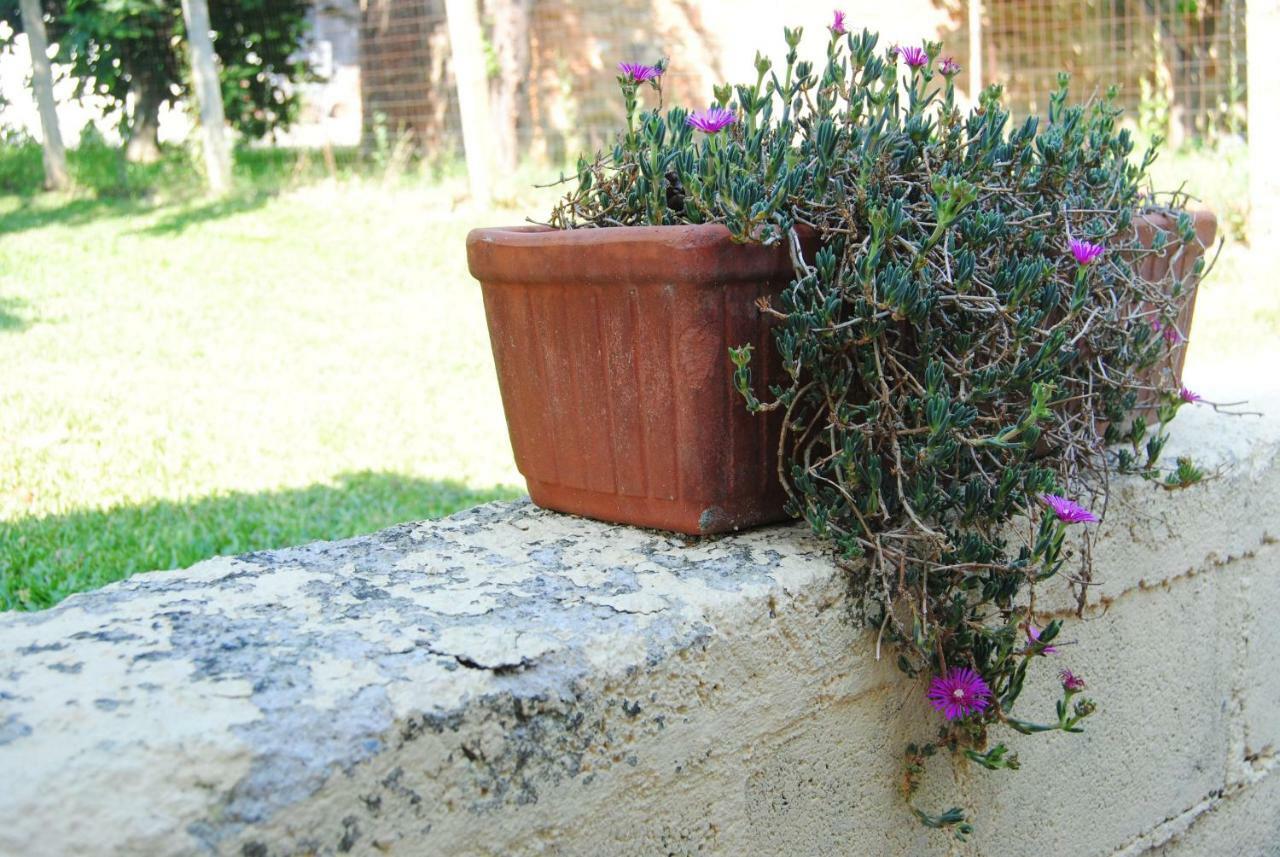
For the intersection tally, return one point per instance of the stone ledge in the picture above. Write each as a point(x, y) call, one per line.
point(512, 681)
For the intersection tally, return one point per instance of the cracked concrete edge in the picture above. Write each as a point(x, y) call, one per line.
point(270, 673)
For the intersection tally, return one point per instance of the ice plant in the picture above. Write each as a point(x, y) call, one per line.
point(639, 72)
point(1068, 511)
point(711, 120)
point(1086, 252)
point(1191, 398)
point(914, 56)
point(1070, 681)
point(959, 693)
point(950, 352)
point(1034, 634)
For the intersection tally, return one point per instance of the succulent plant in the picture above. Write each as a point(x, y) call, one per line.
point(964, 349)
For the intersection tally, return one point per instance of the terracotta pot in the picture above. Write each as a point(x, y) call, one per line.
point(611, 347)
point(1183, 259)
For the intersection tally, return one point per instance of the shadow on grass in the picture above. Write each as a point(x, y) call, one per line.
point(12, 319)
point(175, 217)
point(180, 218)
point(45, 559)
point(73, 212)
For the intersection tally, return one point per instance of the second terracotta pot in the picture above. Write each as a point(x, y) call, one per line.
point(1181, 258)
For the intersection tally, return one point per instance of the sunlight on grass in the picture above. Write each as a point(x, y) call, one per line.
point(159, 356)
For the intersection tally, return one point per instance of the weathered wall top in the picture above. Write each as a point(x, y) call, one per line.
point(514, 681)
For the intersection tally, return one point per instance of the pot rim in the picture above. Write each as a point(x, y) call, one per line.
point(704, 252)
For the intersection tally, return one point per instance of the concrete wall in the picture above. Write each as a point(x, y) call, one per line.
point(511, 681)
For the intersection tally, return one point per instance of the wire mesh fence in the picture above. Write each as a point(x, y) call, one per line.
point(550, 64)
point(388, 77)
point(1179, 64)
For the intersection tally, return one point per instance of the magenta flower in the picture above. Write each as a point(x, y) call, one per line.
point(837, 26)
point(639, 72)
point(1034, 634)
point(949, 67)
point(1189, 397)
point(1068, 511)
point(1171, 334)
point(712, 119)
point(959, 693)
point(1071, 681)
point(915, 57)
point(1085, 252)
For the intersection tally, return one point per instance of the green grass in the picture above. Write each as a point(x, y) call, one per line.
point(305, 359)
point(184, 378)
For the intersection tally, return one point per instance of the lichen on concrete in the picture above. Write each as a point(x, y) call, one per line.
point(315, 659)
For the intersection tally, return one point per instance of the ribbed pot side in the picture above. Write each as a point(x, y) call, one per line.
point(612, 353)
point(1182, 259)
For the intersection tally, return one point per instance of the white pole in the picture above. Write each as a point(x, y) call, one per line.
point(466, 48)
point(204, 72)
point(55, 154)
point(975, 50)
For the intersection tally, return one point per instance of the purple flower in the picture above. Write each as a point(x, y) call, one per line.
point(1086, 252)
point(639, 72)
point(1068, 511)
point(1034, 634)
point(959, 693)
point(837, 26)
point(1171, 334)
point(1071, 681)
point(712, 119)
point(915, 57)
point(1189, 397)
point(949, 67)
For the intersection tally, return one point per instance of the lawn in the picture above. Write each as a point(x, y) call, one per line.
point(305, 360)
point(183, 379)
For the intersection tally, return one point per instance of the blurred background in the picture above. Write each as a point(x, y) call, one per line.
point(234, 305)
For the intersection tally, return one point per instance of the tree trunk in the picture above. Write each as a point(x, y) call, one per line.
point(509, 90)
point(204, 71)
point(466, 49)
point(55, 154)
point(143, 146)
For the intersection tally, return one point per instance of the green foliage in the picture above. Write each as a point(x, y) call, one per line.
point(949, 359)
point(115, 47)
point(98, 168)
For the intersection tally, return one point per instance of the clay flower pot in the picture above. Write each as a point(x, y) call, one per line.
point(1182, 258)
point(611, 347)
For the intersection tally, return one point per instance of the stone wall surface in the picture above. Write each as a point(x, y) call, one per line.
point(512, 681)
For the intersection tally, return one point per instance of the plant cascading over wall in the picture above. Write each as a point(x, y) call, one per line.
point(969, 349)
